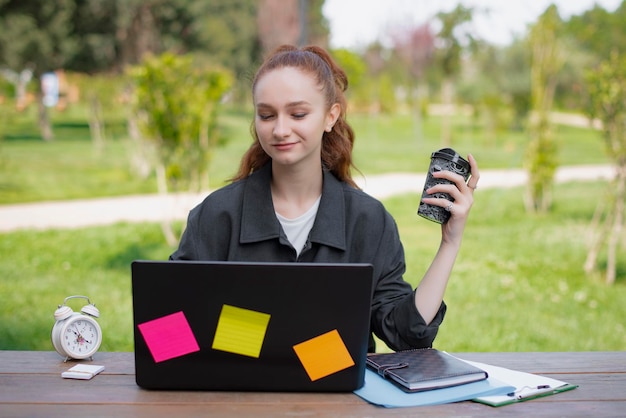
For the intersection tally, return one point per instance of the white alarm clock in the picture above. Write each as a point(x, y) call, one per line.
point(76, 335)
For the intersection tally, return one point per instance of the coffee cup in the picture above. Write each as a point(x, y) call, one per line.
point(444, 159)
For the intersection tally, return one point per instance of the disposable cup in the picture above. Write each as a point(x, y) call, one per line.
point(444, 159)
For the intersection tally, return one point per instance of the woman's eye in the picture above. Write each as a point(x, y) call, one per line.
point(299, 115)
point(265, 116)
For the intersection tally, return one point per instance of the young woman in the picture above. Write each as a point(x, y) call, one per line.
point(294, 200)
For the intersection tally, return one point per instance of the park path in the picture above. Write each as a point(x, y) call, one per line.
point(154, 208)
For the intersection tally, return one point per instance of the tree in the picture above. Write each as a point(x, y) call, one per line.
point(294, 22)
point(356, 70)
point(599, 31)
point(607, 101)
point(483, 86)
point(377, 92)
point(317, 27)
point(449, 56)
point(177, 107)
point(101, 95)
point(225, 32)
point(548, 57)
point(596, 33)
point(416, 49)
point(36, 36)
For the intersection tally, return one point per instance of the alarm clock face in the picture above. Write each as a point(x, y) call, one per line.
point(80, 336)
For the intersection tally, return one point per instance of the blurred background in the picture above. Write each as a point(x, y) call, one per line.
point(117, 98)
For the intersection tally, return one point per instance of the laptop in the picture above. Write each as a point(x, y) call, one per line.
point(248, 326)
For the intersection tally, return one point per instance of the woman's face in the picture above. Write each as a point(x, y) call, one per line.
point(291, 116)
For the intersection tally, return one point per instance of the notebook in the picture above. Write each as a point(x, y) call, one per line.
point(424, 369)
point(241, 326)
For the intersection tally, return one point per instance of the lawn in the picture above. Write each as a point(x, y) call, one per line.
point(71, 167)
point(518, 284)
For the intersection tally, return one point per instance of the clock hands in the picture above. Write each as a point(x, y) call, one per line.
point(79, 337)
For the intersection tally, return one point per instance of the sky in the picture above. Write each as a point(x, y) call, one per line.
point(356, 23)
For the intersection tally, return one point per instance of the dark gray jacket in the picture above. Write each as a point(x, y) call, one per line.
point(238, 223)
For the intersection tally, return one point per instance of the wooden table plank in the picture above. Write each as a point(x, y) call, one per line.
point(554, 362)
point(532, 362)
point(31, 385)
point(120, 389)
point(43, 362)
point(465, 409)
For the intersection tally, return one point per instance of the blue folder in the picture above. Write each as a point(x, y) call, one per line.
point(379, 391)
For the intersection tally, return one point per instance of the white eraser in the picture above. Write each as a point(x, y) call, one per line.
point(82, 371)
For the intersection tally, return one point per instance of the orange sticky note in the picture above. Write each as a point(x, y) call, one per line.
point(324, 355)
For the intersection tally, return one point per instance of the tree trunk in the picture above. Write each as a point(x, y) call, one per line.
point(44, 122)
point(96, 126)
point(166, 223)
point(446, 117)
point(607, 228)
point(417, 112)
point(617, 225)
point(595, 237)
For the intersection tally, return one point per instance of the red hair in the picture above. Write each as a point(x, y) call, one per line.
point(336, 144)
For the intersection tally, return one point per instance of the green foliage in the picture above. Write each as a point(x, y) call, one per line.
point(541, 160)
point(489, 89)
point(177, 106)
point(386, 95)
point(354, 66)
point(225, 32)
point(598, 31)
point(607, 89)
point(606, 85)
point(36, 34)
point(102, 95)
point(7, 90)
point(317, 24)
point(449, 35)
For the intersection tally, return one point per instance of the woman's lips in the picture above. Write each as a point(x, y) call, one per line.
point(284, 146)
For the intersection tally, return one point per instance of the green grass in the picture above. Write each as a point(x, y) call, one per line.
point(39, 269)
point(70, 167)
point(518, 283)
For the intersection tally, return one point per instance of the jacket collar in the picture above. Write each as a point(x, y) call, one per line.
point(258, 218)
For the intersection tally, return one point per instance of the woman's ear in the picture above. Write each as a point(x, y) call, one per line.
point(333, 115)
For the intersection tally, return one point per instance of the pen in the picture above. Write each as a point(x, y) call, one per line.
point(540, 388)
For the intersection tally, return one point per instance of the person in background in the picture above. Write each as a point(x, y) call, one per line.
point(293, 199)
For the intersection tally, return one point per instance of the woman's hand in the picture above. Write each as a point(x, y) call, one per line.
point(463, 195)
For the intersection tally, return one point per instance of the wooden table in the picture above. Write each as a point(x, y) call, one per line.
point(31, 386)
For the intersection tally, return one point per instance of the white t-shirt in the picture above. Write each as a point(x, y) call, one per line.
point(298, 229)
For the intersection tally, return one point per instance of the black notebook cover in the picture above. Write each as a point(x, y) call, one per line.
point(424, 369)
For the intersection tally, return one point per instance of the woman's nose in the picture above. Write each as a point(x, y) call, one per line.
point(281, 127)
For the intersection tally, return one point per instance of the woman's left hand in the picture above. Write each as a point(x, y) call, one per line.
point(463, 195)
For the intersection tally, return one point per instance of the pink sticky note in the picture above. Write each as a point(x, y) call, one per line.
point(169, 337)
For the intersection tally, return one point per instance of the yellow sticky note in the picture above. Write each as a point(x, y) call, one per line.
point(240, 331)
point(324, 355)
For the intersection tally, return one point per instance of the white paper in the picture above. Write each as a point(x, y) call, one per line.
point(82, 371)
point(526, 384)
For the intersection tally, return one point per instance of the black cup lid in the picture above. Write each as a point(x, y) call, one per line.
point(450, 154)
